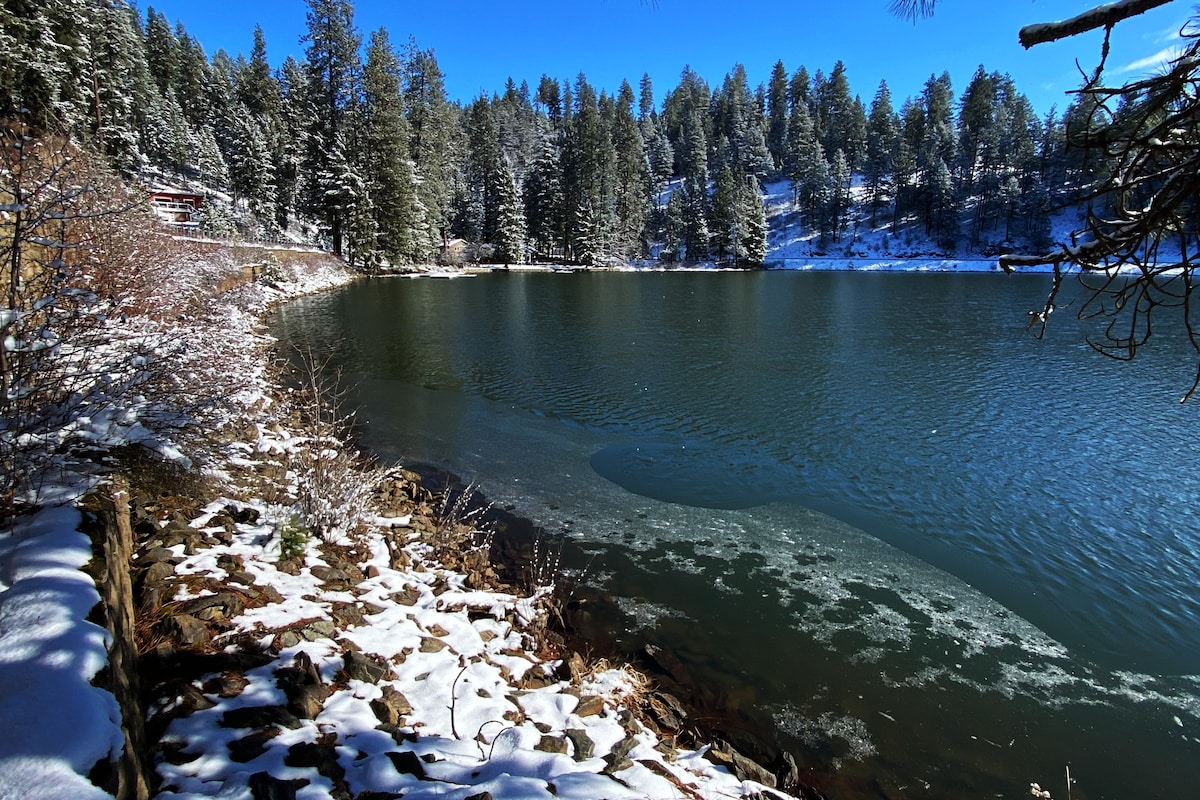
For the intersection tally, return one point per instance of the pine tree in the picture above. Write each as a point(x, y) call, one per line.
point(435, 141)
point(387, 168)
point(331, 67)
point(839, 192)
point(631, 179)
point(45, 55)
point(588, 183)
point(543, 198)
point(801, 149)
point(288, 154)
point(191, 89)
point(121, 83)
point(754, 229)
point(726, 219)
point(883, 132)
point(509, 238)
point(162, 51)
point(777, 115)
point(905, 163)
point(842, 121)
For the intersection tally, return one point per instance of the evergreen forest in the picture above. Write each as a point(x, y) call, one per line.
point(359, 147)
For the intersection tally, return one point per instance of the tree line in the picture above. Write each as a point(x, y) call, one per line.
point(361, 138)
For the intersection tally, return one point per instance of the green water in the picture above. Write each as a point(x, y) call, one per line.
point(934, 552)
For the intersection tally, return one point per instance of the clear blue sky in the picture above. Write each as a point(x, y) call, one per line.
point(480, 43)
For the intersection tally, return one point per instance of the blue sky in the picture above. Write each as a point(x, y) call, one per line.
point(480, 43)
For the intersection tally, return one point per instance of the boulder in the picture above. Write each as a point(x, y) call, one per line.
point(265, 787)
point(391, 706)
point(743, 768)
point(362, 667)
point(585, 748)
point(187, 630)
point(259, 717)
point(321, 757)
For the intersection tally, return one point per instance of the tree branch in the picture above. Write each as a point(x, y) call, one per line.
point(1104, 16)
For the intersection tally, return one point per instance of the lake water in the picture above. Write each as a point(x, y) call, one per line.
point(941, 557)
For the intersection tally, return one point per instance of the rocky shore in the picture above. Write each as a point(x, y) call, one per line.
point(287, 619)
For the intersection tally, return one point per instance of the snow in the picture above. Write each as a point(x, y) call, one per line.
point(458, 654)
point(54, 726)
point(472, 727)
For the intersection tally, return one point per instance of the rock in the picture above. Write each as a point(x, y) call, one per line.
point(307, 702)
point(408, 596)
point(787, 772)
point(743, 768)
point(259, 717)
point(157, 572)
point(229, 604)
point(285, 639)
point(666, 710)
point(241, 576)
point(407, 763)
point(231, 562)
point(431, 645)
point(302, 685)
point(329, 574)
point(361, 667)
point(189, 631)
point(243, 516)
point(438, 631)
point(391, 706)
point(321, 757)
point(192, 699)
point(667, 664)
point(347, 615)
point(573, 668)
point(589, 705)
point(226, 685)
point(320, 629)
point(618, 758)
point(157, 555)
point(398, 734)
point(585, 748)
point(251, 746)
point(265, 787)
point(480, 796)
point(552, 744)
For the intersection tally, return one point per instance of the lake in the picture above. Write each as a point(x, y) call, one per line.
point(941, 557)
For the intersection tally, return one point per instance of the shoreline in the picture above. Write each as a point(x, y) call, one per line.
point(281, 662)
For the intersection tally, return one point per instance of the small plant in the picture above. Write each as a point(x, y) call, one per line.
point(335, 485)
point(293, 538)
point(458, 521)
point(269, 273)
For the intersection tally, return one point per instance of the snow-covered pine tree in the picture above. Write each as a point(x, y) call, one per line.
point(883, 132)
point(754, 230)
point(331, 68)
point(509, 238)
point(542, 194)
point(777, 115)
point(387, 166)
point(435, 142)
point(631, 178)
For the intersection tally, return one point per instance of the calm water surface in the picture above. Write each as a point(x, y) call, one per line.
point(942, 557)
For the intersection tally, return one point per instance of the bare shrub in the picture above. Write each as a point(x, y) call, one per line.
point(335, 485)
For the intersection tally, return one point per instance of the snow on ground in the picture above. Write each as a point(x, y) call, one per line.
point(55, 726)
point(481, 713)
point(460, 660)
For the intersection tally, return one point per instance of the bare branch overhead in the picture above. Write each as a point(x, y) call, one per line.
point(1104, 16)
